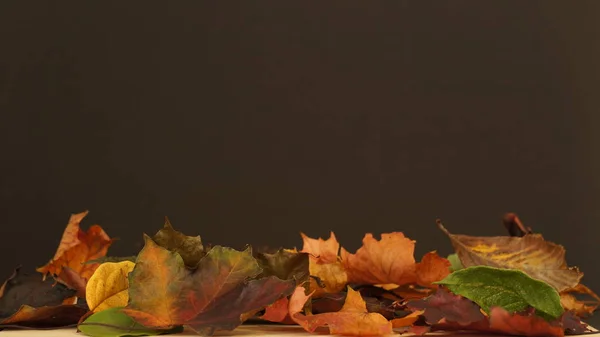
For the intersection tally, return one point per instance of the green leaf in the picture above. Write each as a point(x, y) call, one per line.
point(509, 289)
point(455, 263)
point(115, 323)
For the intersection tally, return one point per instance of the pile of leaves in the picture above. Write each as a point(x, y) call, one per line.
point(518, 284)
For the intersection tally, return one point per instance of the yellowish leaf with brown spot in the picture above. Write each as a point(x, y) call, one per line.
point(538, 258)
point(332, 278)
point(108, 287)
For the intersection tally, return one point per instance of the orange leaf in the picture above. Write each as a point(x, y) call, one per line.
point(352, 320)
point(390, 260)
point(78, 247)
point(322, 251)
point(406, 320)
point(277, 311)
point(432, 268)
point(522, 325)
point(581, 308)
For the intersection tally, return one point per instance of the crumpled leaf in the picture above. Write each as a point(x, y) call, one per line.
point(580, 307)
point(407, 320)
point(189, 247)
point(46, 316)
point(352, 320)
point(108, 287)
point(164, 293)
point(113, 322)
point(509, 289)
point(286, 264)
point(323, 251)
point(540, 259)
point(77, 247)
point(32, 290)
point(328, 274)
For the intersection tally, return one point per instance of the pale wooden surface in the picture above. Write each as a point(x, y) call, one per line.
point(242, 331)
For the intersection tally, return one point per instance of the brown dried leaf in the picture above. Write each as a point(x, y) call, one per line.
point(540, 259)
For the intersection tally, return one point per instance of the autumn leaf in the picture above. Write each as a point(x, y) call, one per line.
point(189, 247)
point(502, 321)
point(45, 317)
point(286, 264)
point(113, 322)
point(323, 251)
point(389, 260)
point(108, 287)
point(277, 311)
point(77, 247)
point(447, 306)
point(407, 320)
point(375, 302)
point(540, 259)
point(580, 307)
point(32, 290)
point(511, 290)
point(163, 293)
point(432, 268)
point(325, 267)
point(352, 320)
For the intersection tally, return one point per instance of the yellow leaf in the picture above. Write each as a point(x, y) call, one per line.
point(107, 288)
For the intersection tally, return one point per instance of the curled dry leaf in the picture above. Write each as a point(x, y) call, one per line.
point(352, 320)
point(78, 247)
point(189, 247)
point(432, 268)
point(108, 287)
point(531, 254)
point(581, 308)
point(164, 293)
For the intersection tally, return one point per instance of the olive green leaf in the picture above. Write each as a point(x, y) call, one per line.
point(113, 322)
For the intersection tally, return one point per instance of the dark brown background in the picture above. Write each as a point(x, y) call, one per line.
point(249, 122)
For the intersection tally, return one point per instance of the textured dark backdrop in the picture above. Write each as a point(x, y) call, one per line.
point(248, 122)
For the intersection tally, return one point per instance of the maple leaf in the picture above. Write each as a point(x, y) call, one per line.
point(332, 302)
point(352, 320)
point(78, 247)
point(328, 274)
point(163, 293)
point(531, 254)
point(286, 264)
point(108, 287)
point(323, 251)
point(390, 260)
point(189, 247)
